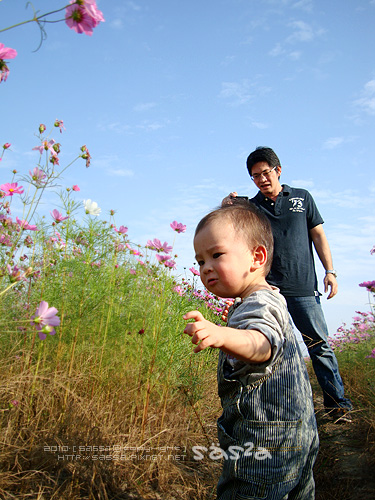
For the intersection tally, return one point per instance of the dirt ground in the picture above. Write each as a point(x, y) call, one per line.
point(345, 467)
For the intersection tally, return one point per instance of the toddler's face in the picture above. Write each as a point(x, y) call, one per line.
point(224, 258)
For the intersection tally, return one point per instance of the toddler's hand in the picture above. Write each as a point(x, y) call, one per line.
point(203, 333)
point(228, 303)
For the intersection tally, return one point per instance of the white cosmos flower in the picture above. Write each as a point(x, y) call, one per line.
point(91, 207)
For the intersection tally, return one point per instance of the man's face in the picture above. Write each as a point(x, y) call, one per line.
point(266, 178)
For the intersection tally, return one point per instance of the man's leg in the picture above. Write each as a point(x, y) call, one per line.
point(308, 317)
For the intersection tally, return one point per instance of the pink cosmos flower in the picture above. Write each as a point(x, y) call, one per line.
point(162, 258)
point(372, 355)
point(5, 53)
point(60, 124)
point(25, 225)
point(4, 240)
point(15, 273)
point(171, 264)
point(11, 188)
point(372, 251)
point(86, 156)
point(178, 227)
point(6, 145)
point(178, 289)
point(37, 175)
point(76, 188)
point(46, 146)
point(45, 320)
point(194, 271)
point(121, 230)
point(58, 216)
point(157, 245)
point(83, 15)
point(370, 285)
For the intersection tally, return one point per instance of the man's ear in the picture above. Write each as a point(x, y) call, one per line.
point(278, 170)
point(259, 257)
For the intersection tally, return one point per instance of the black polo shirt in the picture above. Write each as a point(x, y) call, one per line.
point(292, 215)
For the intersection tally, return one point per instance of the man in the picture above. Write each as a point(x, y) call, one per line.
point(296, 225)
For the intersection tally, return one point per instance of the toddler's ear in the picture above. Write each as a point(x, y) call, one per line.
point(259, 257)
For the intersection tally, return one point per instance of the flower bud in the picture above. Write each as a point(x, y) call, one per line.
point(42, 128)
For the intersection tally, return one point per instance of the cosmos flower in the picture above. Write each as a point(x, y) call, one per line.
point(370, 285)
point(58, 217)
point(25, 225)
point(15, 273)
point(162, 258)
point(157, 245)
point(5, 53)
point(46, 146)
point(37, 175)
point(194, 271)
point(60, 124)
point(91, 207)
point(76, 188)
point(7, 145)
point(86, 155)
point(178, 227)
point(171, 264)
point(83, 15)
point(45, 320)
point(121, 230)
point(11, 188)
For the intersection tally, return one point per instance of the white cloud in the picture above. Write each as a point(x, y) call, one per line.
point(117, 23)
point(121, 172)
point(259, 125)
point(150, 126)
point(366, 101)
point(295, 55)
point(303, 32)
point(144, 106)
point(302, 183)
point(306, 5)
point(276, 51)
point(239, 93)
point(333, 142)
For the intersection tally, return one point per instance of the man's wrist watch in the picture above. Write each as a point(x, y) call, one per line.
point(332, 271)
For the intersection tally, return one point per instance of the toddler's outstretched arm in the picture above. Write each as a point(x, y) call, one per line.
point(246, 345)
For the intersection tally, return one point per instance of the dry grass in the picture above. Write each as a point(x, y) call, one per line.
point(345, 465)
point(75, 439)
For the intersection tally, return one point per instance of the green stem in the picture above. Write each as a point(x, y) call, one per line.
point(35, 18)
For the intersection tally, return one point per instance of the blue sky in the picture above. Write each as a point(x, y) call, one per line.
point(170, 98)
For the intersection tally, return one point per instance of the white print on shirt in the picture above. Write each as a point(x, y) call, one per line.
point(297, 204)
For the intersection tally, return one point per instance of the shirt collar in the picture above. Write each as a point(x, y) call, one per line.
point(285, 192)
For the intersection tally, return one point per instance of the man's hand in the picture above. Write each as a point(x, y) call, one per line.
point(228, 199)
point(203, 333)
point(330, 283)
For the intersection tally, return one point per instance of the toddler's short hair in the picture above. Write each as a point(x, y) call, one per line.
point(249, 221)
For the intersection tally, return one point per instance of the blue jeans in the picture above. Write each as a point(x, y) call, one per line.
point(308, 317)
